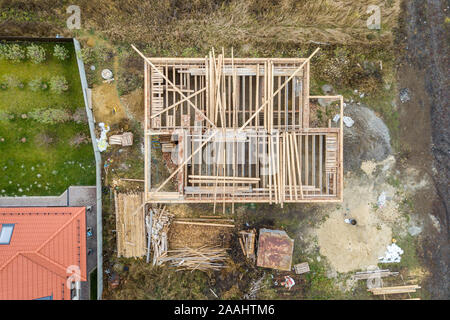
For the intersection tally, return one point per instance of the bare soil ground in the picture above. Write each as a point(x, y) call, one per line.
point(425, 127)
point(104, 99)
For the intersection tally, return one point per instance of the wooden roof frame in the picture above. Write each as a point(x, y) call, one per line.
point(211, 100)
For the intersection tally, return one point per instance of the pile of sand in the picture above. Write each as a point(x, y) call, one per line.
point(349, 247)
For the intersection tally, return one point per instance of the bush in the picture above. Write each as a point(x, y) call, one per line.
point(13, 52)
point(35, 84)
point(50, 115)
point(60, 52)
point(4, 116)
point(58, 84)
point(11, 81)
point(36, 53)
point(89, 56)
point(3, 51)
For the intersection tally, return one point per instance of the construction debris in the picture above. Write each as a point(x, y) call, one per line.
point(247, 242)
point(254, 288)
point(203, 259)
point(160, 221)
point(288, 282)
point(349, 122)
point(301, 268)
point(275, 249)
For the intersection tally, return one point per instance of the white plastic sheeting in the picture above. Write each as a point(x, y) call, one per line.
point(102, 143)
point(347, 120)
point(381, 200)
point(392, 255)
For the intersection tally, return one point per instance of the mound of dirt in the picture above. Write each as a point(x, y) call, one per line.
point(367, 139)
point(349, 247)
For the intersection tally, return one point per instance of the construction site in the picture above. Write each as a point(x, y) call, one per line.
point(232, 131)
point(244, 150)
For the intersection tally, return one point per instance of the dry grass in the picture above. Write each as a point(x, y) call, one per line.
point(199, 24)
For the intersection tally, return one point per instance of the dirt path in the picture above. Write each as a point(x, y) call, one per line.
point(424, 127)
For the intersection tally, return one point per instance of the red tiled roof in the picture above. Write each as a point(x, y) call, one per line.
point(44, 243)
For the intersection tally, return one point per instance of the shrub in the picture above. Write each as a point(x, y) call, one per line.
point(36, 53)
point(60, 52)
point(4, 116)
point(58, 84)
point(89, 56)
point(50, 115)
point(14, 53)
point(35, 84)
point(3, 50)
point(11, 81)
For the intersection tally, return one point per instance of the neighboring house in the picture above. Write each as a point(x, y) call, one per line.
point(42, 251)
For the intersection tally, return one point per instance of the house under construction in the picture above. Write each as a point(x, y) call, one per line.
point(238, 130)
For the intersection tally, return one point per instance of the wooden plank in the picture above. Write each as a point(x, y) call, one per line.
point(205, 224)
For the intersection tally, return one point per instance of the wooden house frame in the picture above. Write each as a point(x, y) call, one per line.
point(254, 114)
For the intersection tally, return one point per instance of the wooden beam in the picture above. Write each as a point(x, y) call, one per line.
point(278, 90)
point(173, 85)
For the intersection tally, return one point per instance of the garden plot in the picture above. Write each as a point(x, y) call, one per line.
point(44, 135)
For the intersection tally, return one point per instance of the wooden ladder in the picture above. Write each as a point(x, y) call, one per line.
point(331, 162)
point(157, 97)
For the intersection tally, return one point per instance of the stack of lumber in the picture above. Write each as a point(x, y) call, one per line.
point(203, 258)
point(373, 274)
point(393, 290)
point(161, 221)
point(130, 224)
point(247, 242)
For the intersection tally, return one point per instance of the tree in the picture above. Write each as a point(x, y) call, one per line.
point(58, 84)
point(60, 52)
point(36, 53)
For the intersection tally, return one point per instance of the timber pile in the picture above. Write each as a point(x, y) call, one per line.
point(247, 242)
point(130, 224)
point(394, 290)
point(374, 274)
point(161, 220)
point(203, 259)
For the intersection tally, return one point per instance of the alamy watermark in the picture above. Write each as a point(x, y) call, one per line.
point(374, 21)
point(74, 21)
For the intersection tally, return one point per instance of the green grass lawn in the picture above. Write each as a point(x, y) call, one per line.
point(34, 168)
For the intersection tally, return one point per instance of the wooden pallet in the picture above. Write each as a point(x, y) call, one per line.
point(301, 268)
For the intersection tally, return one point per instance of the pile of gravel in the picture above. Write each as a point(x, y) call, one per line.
point(367, 139)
